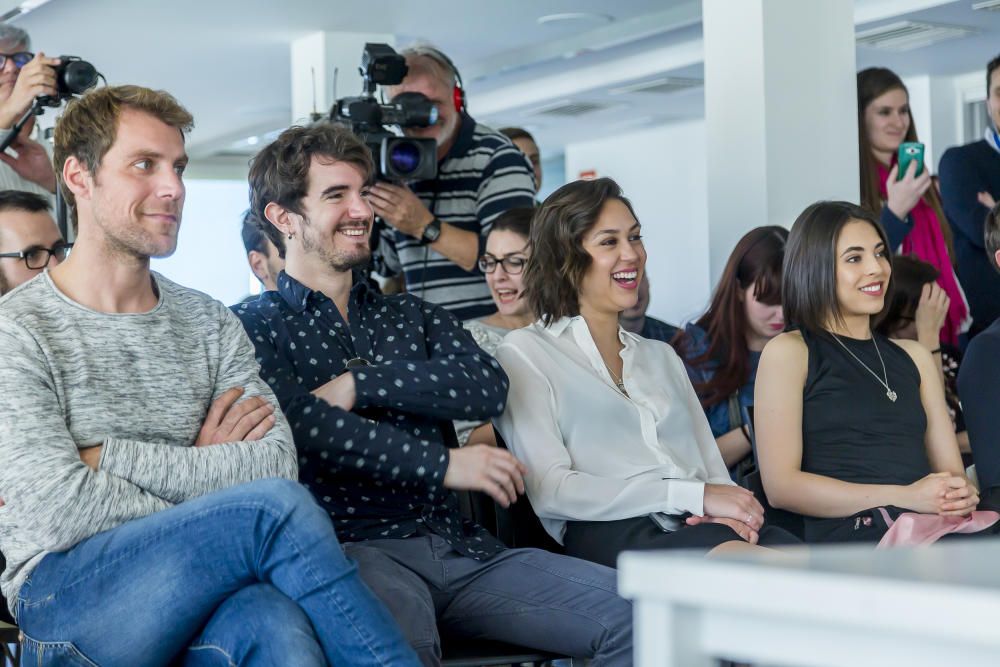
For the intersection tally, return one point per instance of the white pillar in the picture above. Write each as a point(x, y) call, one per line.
point(314, 59)
point(780, 113)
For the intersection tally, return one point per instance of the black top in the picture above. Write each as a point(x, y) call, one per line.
point(378, 469)
point(851, 431)
point(965, 171)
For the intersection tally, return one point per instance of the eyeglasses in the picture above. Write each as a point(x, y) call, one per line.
point(512, 265)
point(21, 58)
point(37, 257)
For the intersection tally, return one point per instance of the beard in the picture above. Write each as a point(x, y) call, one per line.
point(339, 260)
point(4, 283)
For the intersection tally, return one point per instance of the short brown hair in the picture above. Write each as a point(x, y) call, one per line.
point(280, 172)
point(89, 125)
point(558, 260)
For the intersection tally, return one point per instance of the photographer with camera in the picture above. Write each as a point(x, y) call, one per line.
point(23, 77)
point(436, 228)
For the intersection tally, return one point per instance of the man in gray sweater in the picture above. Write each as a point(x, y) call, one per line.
point(150, 511)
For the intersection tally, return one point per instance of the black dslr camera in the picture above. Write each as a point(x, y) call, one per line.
point(396, 158)
point(73, 77)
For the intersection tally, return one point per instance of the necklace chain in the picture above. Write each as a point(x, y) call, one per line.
point(890, 394)
point(618, 380)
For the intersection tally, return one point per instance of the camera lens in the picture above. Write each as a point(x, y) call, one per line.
point(404, 157)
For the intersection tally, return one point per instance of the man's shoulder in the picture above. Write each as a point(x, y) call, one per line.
point(486, 144)
point(187, 299)
point(260, 308)
point(984, 349)
point(975, 150)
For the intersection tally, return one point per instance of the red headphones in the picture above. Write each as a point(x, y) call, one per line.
point(458, 92)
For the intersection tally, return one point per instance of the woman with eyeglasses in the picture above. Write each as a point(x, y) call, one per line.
point(617, 447)
point(503, 265)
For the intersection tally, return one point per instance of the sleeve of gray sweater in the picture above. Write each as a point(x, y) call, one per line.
point(179, 473)
point(44, 483)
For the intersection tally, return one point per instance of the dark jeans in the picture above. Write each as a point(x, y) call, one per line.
point(252, 575)
point(528, 597)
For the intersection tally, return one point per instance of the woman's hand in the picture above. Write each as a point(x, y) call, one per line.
point(941, 493)
point(901, 196)
point(725, 501)
point(932, 310)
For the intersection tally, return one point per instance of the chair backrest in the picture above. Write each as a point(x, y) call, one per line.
point(518, 525)
point(773, 516)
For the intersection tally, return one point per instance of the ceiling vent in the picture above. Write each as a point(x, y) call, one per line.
point(661, 86)
point(988, 5)
point(568, 109)
point(909, 35)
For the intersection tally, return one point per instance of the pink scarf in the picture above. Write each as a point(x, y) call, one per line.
point(926, 242)
point(916, 530)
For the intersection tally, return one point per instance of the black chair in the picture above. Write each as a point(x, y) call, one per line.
point(773, 516)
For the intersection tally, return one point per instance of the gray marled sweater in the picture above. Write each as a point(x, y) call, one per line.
point(140, 384)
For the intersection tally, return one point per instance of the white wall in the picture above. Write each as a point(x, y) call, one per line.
point(210, 255)
point(662, 170)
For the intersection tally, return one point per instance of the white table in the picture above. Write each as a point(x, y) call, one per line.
point(837, 605)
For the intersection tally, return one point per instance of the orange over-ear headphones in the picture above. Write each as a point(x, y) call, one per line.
point(458, 92)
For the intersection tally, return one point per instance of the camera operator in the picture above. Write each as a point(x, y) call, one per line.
point(436, 229)
point(23, 77)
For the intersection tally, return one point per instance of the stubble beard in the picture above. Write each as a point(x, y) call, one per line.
point(337, 260)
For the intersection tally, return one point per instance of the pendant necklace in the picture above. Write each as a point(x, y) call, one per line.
point(890, 394)
point(619, 381)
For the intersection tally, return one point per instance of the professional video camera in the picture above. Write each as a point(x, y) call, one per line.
point(396, 157)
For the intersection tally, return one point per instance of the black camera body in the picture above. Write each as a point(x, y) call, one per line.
point(74, 76)
point(397, 158)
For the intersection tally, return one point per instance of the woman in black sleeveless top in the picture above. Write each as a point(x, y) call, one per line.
point(848, 422)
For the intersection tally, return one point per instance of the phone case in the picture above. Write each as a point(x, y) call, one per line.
point(908, 152)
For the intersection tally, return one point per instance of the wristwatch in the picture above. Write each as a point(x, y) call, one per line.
point(431, 232)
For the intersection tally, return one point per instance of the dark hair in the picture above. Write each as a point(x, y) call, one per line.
point(517, 220)
point(990, 66)
point(755, 262)
point(19, 200)
point(558, 259)
point(809, 275)
point(909, 275)
point(991, 235)
point(252, 232)
point(513, 133)
point(280, 172)
point(873, 83)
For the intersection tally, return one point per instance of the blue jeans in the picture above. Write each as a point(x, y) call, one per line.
point(251, 575)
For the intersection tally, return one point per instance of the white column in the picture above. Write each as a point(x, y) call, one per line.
point(315, 57)
point(780, 113)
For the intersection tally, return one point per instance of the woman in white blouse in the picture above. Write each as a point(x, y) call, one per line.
point(618, 450)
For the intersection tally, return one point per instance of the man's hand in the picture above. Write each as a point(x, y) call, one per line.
point(340, 392)
point(91, 456)
point(36, 78)
point(483, 468)
point(228, 421)
point(402, 209)
point(32, 162)
point(986, 199)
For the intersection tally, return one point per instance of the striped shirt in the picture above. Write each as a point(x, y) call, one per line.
point(482, 176)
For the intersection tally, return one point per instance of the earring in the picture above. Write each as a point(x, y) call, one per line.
point(290, 236)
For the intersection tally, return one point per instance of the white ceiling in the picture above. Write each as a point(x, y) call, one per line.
point(228, 61)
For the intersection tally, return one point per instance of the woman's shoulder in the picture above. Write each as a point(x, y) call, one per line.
point(786, 348)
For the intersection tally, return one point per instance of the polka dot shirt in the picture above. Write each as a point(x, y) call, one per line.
point(379, 469)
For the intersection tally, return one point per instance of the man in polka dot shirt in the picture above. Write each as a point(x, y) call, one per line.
point(369, 384)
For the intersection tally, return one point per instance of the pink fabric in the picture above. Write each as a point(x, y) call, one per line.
point(914, 530)
point(926, 241)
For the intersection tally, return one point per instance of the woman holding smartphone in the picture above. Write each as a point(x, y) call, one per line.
point(617, 447)
point(906, 204)
point(852, 428)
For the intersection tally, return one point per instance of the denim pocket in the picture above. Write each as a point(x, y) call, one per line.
point(34, 652)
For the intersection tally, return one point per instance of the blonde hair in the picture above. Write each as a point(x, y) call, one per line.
point(89, 125)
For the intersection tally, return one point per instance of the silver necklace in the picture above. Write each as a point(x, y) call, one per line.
point(619, 381)
point(890, 394)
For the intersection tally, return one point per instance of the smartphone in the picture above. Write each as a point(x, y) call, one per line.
point(910, 151)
